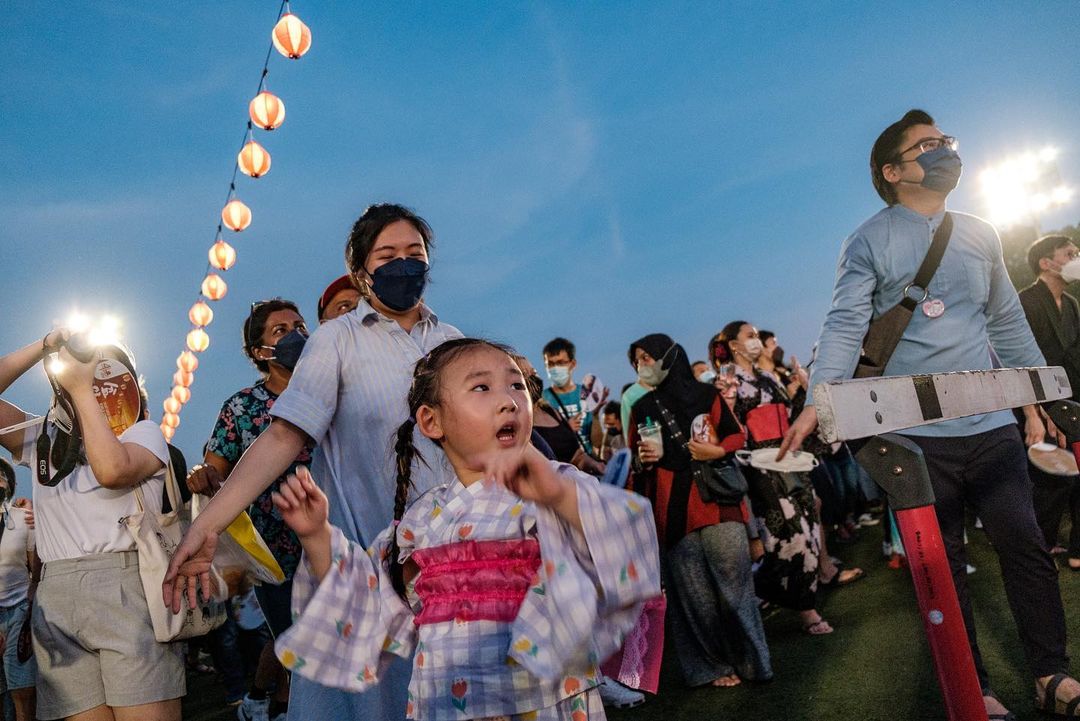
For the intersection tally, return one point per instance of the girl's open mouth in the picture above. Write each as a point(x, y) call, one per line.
point(507, 434)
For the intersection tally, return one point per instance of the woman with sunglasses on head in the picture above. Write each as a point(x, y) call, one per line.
point(274, 335)
point(94, 643)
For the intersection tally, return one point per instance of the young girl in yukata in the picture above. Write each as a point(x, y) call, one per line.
point(508, 585)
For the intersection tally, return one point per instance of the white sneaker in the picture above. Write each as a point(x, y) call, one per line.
point(615, 695)
point(251, 710)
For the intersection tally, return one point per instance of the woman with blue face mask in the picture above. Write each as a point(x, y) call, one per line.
point(274, 336)
point(347, 395)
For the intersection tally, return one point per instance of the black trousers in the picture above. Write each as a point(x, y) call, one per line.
point(1055, 496)
point(988, 473)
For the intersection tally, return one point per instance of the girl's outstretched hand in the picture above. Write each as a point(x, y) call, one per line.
point(302, 504)
point(529, 475)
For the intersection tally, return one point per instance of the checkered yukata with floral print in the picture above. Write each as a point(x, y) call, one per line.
point(586, 594)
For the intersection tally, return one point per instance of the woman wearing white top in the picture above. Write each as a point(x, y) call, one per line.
point(18, 581)
point(93, 638)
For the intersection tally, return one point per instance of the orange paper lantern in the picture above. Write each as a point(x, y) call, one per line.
point(292, 38)
point(267, 111)
point(213, 287)
point(167, 432)
point(181, 394)
point(198, 340)
point(187, 362)
point(222, 255)
point(253, 160)
point(235, 215)
point(171, 405)
point(181, 378)
point(200, 314)
point(171, 420)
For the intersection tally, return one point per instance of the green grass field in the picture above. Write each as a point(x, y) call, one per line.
point(875, 666)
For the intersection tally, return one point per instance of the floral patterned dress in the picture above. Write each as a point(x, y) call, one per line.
point(509, 615)
point(243, 417)
point(783, 503)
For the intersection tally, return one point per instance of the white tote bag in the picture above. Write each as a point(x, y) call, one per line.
point(156, 537)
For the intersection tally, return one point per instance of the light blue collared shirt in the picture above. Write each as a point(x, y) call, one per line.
point(348, 392)
point(981, 306)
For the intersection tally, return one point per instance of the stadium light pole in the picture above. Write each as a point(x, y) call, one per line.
point(1023, 187)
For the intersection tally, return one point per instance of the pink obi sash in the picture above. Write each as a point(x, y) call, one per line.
point(475, 580)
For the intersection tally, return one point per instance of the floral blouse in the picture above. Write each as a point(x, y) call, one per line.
point(244, 416)
point(511, 610)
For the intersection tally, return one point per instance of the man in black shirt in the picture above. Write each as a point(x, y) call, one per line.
point(1054, 316)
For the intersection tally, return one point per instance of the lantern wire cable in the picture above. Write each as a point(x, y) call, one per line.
point(248, 135)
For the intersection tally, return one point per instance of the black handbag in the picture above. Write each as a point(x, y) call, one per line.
point(721, 481)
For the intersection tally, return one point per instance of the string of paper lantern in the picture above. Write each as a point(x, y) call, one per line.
point(291, 38)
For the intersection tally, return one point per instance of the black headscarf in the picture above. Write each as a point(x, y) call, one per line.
point(682, 394)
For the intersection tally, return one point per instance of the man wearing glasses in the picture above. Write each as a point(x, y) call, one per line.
point(968, 306)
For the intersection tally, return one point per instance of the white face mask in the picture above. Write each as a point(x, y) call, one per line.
point(655, 374)
point(1071, 270)
point(752, 348)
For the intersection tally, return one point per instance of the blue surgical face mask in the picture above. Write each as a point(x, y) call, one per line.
point(707, 377)
point(400, 283)
point(559, 375)
point(288, 349)
point(941, 169)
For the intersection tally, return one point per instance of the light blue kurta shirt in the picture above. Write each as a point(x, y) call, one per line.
point(981, 306)
point(348, 392)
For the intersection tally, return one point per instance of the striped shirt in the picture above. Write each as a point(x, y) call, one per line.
point(348, 393)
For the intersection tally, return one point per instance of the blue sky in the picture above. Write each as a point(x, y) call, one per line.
point(595, 170)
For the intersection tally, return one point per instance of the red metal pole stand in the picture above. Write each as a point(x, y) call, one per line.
point(940, 611)
point(896, 464)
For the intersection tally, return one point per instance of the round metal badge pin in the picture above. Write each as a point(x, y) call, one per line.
point(933, 308)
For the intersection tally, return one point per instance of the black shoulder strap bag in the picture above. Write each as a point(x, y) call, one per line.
point(719, 481)
point(886, 330)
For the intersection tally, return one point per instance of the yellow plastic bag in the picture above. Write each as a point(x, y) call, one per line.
point(242, 555)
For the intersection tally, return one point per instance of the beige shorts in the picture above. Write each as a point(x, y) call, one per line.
point(93, 639)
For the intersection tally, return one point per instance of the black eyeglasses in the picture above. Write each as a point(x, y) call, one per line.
point(927, 145)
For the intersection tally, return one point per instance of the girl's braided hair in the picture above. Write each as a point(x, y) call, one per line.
point(424, 391)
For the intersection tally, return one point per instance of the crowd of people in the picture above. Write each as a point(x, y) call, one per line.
point(461, 539)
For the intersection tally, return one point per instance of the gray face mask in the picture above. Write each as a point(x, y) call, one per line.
point(653, 375)
point(941, 169)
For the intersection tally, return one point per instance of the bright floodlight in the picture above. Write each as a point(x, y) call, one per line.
point(1022, 187)
point(99, 331)
point(78, 322)
point(106, 331)
point(1048, 154)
